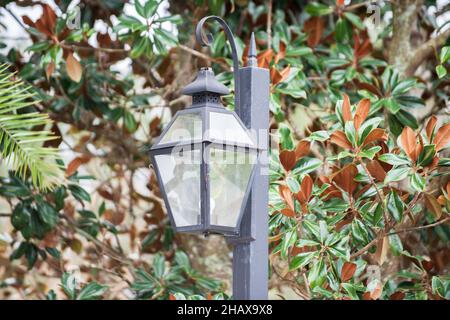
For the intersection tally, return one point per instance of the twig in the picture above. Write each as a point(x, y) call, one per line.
point(431, 225)
point(203, 56)
point(269, 24)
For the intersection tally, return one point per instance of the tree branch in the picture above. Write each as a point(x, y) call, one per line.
point(425, 51)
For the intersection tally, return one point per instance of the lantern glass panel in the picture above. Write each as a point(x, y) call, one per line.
point(225, 127)
point(185, 128)
point(180, 175)
point(229, 174)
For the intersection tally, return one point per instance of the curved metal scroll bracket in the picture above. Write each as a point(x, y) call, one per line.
point(207, 39)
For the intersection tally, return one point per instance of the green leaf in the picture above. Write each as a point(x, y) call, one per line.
point(293, 184)
point(441, 71)
point(129, 121)
point(182, 260)
point(395, 206)
point(159, 266)
point(139, 47)
point(166, 37)
point(417, 182)
point(369, 153)
point(39, 46)
point(302, 259)
point(46, 212)
point(350, 132)
point(139, 8)
point(31, 253)
point(69, 285)
point(288, 241)
point(321, 135)
point(445, 54)
point(351, 290)
point(395, 244)
point(427, 155)
point(175, 19)
point(354, 19)
point(318, 274)
point(306, 165)
point(150, 8)
point(396, 174)
point(407, 119)
point(285, 137)
point(79, 193)
point(92, 291)
point(359, 231)
point(21, 216)
point(394, 159)
point(404, 86)
point(298, 51)
point(392, 105)
point(367, 127)
point(318, 9)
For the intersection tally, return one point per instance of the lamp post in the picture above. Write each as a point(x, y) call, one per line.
point(211, 164)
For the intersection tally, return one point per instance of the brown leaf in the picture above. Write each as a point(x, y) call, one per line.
point(302, 149)
point(288, 159)
point(408, 139)
point(282, 52)
point(264, 58)
point(348, 270)
point(377, 291)
point(286, 194)
point(382, 250)
point(375, 135)
point(346, 109)
point(74, 69)
point(28, 21)
point(49, 69)
point(397, 296)
point(376, 170)
point(314, 28)
point(338, 137)
point(431, 124)
point(288, 213)
point(345, 178)
point(277, 77)
point(367, 86)
point(362, 111)
point(76, 163)
point(433, 205)
point(442, 137)
point(116, 217)
point(307, 186)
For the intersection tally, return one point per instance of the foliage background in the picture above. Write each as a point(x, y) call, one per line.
point(352, 217)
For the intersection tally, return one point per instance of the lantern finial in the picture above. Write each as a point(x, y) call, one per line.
point(252, 62)
point(205, 82)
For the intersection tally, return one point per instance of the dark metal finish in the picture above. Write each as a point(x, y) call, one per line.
point(250, 257)
point(250, 236)
point(206, 40)
point(205, 84)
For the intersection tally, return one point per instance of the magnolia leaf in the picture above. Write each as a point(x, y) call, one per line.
point(74, 70)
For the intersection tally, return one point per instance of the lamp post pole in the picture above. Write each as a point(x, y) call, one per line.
point(251, 87)
point(250, 255)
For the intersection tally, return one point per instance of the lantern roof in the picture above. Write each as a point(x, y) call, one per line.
point(205, 82)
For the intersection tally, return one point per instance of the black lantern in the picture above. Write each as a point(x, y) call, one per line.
point(204, 161)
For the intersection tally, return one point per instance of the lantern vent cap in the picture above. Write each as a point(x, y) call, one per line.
point(205, 82)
